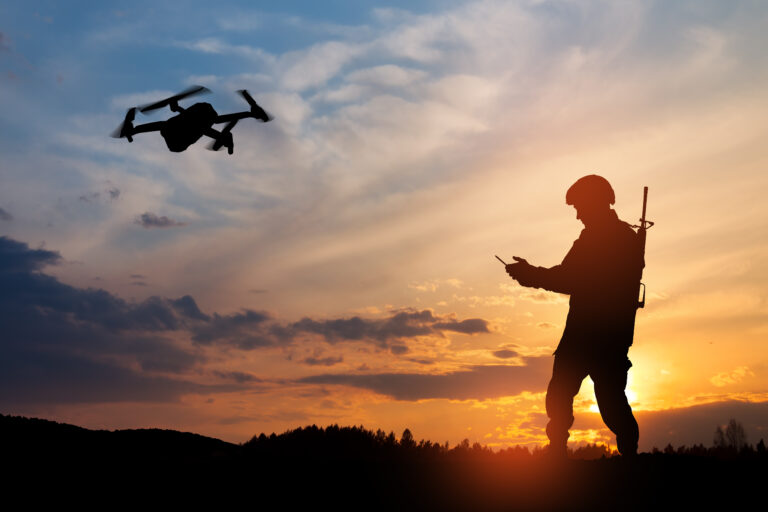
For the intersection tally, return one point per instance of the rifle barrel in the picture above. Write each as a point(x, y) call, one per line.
point(645, 201)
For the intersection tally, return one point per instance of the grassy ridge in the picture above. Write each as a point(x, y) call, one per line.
point(351, 467)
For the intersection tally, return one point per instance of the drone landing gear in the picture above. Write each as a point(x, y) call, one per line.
point(222, 138)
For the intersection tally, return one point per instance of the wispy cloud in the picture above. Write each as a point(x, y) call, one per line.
point(476, 382)
point(733, 377)
point(151, 220)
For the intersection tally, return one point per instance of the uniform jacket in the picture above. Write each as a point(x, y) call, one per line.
point(602, 274)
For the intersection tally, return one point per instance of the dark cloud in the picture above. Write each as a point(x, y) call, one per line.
point(73, 345)
point(187, 306)
point(697, 424)
point(387, 332)
point(239, 377)
point(469, 326)
point(139, 283)
point(242, 330)
point(90, 196)
point(325, 361)
point(422, 361)
point(137, 276)
point(150, 220)
point(85, 344)
point(111, 193)
point(475, 382)
point(63, 378)
point(17, 257)
point(691, 425)
point(505, 353)
point(4, 215)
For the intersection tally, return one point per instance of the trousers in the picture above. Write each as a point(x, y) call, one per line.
point(609, 373)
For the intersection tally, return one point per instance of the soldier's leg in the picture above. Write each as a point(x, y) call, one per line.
point(567, 374)
point(610, 378)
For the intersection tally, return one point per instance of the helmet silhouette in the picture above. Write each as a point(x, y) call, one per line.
point(591, 189)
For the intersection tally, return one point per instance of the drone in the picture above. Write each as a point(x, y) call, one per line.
point(189, 124)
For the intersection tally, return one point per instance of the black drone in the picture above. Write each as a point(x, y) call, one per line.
point(185, 128)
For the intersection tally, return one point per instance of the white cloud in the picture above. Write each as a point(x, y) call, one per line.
point(387, 75)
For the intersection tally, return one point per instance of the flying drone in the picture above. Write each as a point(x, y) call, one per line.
point(186, 127)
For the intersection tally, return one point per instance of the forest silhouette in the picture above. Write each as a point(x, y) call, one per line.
point(346, 467)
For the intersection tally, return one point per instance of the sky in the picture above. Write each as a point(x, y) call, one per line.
point(338, 267)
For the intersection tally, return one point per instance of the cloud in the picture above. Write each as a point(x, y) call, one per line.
point(112, 194)
point(238, 377)
point(387, 76)
point(324, 361)
point(697, 424)
point(474, 382)
point(383, 332)
point(244, 330)
point(469, 326)
point(150, 220)
point(505, 353)
point(18, 258)
point(542, 296)
point(4, 215)
point(726, 378)
point(159, 343)
point(66, 344)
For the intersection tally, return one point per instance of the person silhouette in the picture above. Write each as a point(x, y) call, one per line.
point(601, 273)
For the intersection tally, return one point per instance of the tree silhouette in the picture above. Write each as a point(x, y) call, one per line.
point(733, 437)
point(407, 439)
point(719, 440)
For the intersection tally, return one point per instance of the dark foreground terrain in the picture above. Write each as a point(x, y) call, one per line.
point(353, 468)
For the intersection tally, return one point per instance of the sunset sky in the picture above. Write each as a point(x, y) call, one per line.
point(338, 267)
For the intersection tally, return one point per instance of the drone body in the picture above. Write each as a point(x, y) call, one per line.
point(188, 125)
point(186, 128)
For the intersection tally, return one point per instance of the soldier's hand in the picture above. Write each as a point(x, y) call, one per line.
point(518, 270)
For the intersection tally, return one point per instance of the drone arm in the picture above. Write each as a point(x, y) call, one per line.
point(148, 127)
point(232, 117)
point(212, 133)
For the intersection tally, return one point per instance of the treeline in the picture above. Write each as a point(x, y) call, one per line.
point(356, 441)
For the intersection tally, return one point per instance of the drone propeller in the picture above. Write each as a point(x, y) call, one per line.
point(225, 139)
point(195, 89)
point(257, 111)
point(126, 127)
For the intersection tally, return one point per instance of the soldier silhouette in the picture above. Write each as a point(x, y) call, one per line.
point(601, 273)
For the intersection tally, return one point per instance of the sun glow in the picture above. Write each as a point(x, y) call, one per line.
point(631, 398)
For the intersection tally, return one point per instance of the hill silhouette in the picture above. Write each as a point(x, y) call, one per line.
point(352, 467)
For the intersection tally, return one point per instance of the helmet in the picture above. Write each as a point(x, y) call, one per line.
point(590, 189)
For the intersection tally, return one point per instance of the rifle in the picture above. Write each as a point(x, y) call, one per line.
point(642, 229)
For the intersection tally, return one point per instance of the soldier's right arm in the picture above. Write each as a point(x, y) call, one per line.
point(559, 279)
